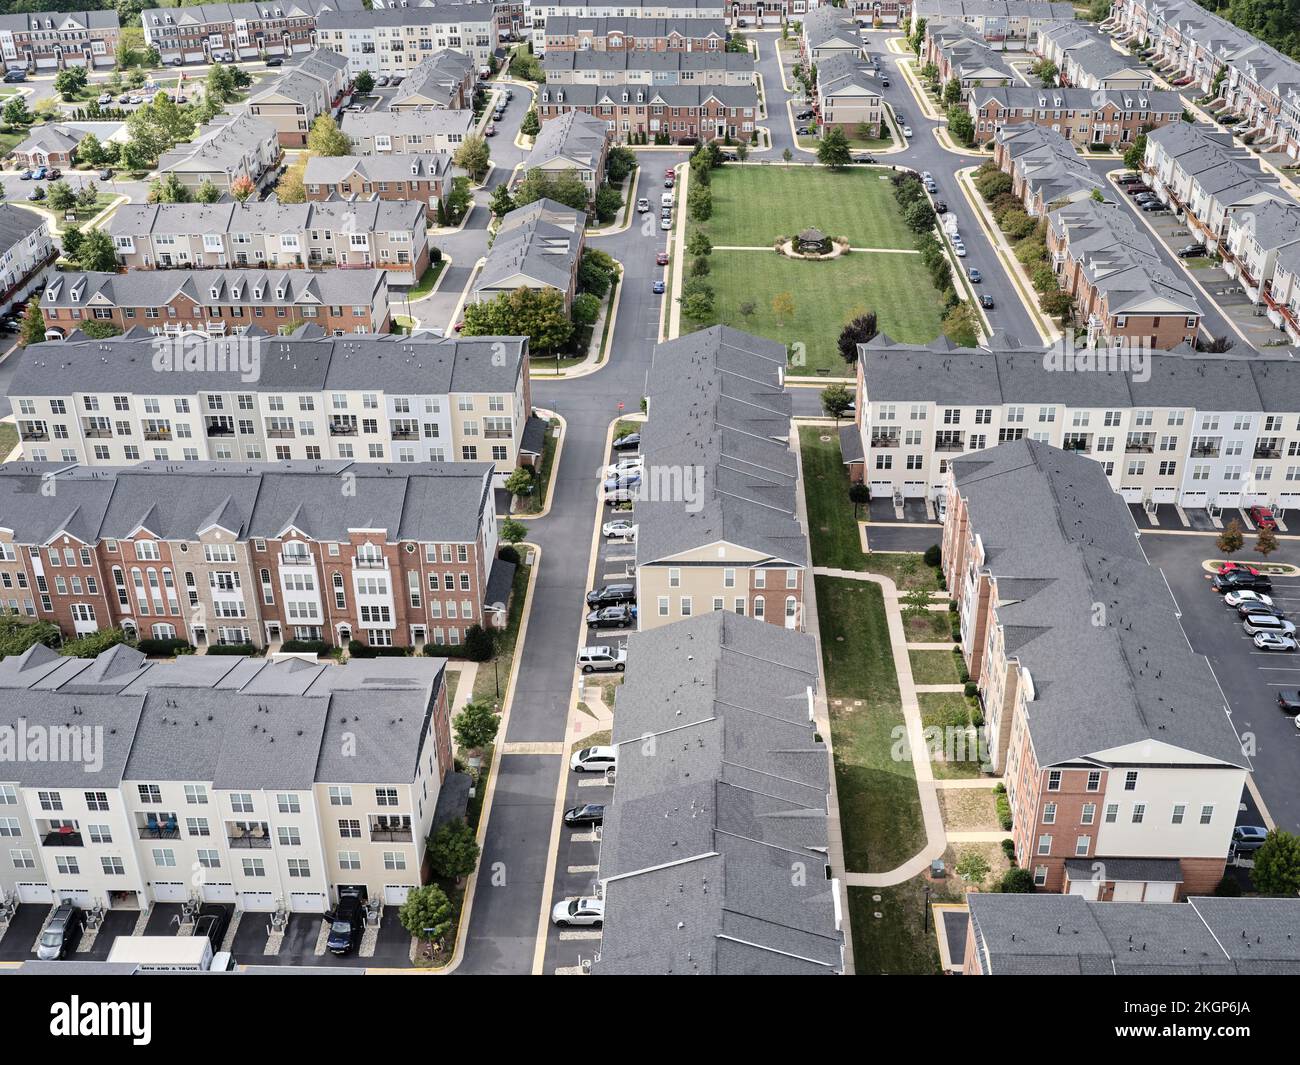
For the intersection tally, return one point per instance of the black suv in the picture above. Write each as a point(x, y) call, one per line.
point(212, 922)
point(346, 925)
point(611, 594)
point(1239, 579)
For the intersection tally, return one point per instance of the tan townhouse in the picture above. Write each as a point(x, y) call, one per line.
point(294, 101)
point(537, 246)
point(227, 151)
point(412, 130)
point(569, 33)
point(444, 79)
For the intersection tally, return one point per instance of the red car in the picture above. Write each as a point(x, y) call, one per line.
point(1263, 517)
point(1229, 566)
point(670, 172)
point(661, 259)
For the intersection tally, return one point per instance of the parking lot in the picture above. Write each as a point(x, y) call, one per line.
point(1168, 517)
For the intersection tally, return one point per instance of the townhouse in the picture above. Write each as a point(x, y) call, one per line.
point(1009, 25)
point(698, 847)
point(396, 40)
point(567, 33)
point(424, 178)
point(1139, 767)
point(508, 15)
point(678, 16)
point(260, 398)
point(1087, 117)
point(827, 31)
point(574, 142)
point(666, 114)
point(1123, 292)
point(47, 40)
point(847, 96)
point(649, 68)
point(217, 302)
point(284, 791)
point(717, 518)
point(292, 102)
point(1207, 181)
point(202, 32)
point(1045, 168)
point(537, 246)
point(1199, 431)
point(412, 130)
point(958, 52)
point(1262, 251)
point(1044, 935)
point(1086, 60)
point(444, 79)
point(222, 554)
point(26, 249)
point(391, 235)
point(744, 14)
point(226, 151)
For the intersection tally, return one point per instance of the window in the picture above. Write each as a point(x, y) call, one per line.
point(340, 796)
point(288, 804)
point(254, 867)
point(1112, 812)
point(349, 828)
point(1049, 813)
point(1094, 780)
point(1131, 780)
point(349, 860)
point(1207, 814)
point(1180, 809)
point(386, 796)
point(1040, 875)
point(1054, 780)
point(1081, 846)
point(196, 794)
point(150, 793)
point(394, 860)
point(97, 800)
point(241, 802)
point(1139, 812)
point(1044, 844)
point(289, 836)
point(1088, 814)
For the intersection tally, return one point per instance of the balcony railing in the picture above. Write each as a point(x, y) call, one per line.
point(1139, 449)
point(295, 560)
point(250, 842)
point(1268, 452)
point(390, 835)
point(281, 434)
point(1205, 452)
point(884, 441)
point(62, 837)
point(948, 445)
point(157, 434)
point(405, 434)
point(340, 429)
point(370, 563)
point(221, 430)
point(98, 434)
point(497, 434)
point(158, 832)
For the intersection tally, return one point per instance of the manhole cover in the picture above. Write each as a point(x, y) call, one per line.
point(877, 915)
point(825, 439)
point(875, 898)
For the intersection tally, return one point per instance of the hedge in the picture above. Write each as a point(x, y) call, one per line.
point(318, 647)
point(357, 649)
point(233, 649)
point(164, 648)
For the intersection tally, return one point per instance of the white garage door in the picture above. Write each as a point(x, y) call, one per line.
point(1161, 892)
point(258, 901)
point(82, 898)
point(169, 891)
point(913, 489)
point(1128, 891)
point(307, 901)
point(1164, 495)
point(395, 894)
point(1088, 888)
point(35, 893)
point(218, 892)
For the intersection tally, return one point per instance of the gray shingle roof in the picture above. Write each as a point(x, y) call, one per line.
point(584, 59)
point(630, 26)
point(680, 95)
point(265, 216)
point(427, 122)
point(17, 224)
point(437, 78)
point(701, 835)
point(194, 15)
point(541, 240)
point(412, 166)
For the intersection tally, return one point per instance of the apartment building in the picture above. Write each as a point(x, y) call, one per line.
point(717, 516)
point(959, 52)
point(1045, 167)
point(222, 553)
point(1114, 274)
point(1046, 935)
point(50, 40)
point(1085, 59)
point(663, 113)
point(847, 96)
point(574, 142)
point(636, 67)
point(1009, 25)
point(698, 846)
point(227, 150)
point(412, 130)
point(565, 33)
point(679, 15)
point(391, 235)
point(26, 249)
point(828, 31)
point(537, 246)
point(444, 79)
point(396, 40)
point(307, 396)
point(264, 803)
point(424, 178)
point(217, 302)
point(1086, 117)
point(1141, 764)
point(201, 32)
point(1207, 181)
point(292, 102)
point(1170, 427)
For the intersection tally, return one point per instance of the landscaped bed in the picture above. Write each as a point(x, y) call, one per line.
point(932, 626)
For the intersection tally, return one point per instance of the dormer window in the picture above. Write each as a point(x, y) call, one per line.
point(279, 293)
point(257, 292)
point(215, 292)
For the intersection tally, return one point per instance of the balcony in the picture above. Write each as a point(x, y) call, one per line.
point(248, 837)
point(396, 829)
point(34, 433)
point(97, 434)
point(944, 444)
point(361, 562)
point(498, 434)
point(1206, 451)
point(296, 560)
point(1139, 447)
point(62, 837)
point(157, 826)
point(1267, 450)
point(405, 434)
point(884, 441)
point(281, 434)
point(221, 430)
point(157, 434)
point(342, 429)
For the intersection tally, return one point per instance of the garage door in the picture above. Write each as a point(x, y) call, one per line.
point(35, 893)
point(913, 489)
point(81, 897)
point(882, 489)
point(1161, 892)
point(218, 892)
point(1088, 888)
point(307, 901)
point(169, 891)
point(1128, 891)
point(395, 894)
point(1193, 500)
point(260, 901)
point(1164, 495)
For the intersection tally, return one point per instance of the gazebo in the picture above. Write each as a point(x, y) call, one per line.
point(813, 241)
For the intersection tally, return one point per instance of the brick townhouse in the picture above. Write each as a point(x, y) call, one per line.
point(231, 553)
point(1045, 167)
point(1141, 763)
point(959, 52)
point(678, 113)
point(48, 40)
point(564, 33)
point(417, 129)
point(424, 177)
point(1086, 117)
point(217, 302)
point(201, 32)
point(1008, 25)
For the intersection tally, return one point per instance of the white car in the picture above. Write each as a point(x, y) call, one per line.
point(665, 223)
point(619, 527)
point(642, 205)
point(1273, 641)
point(1245, 595)
point(624, 466)
point(1259, 623)
point(907, 131)
point(960, 249)
point(588, 910)
point(106, 98)
point(594, 760)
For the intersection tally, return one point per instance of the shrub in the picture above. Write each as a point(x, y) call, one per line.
point(232, 649)
point(1009, 848)
point(1228, 888)
point(952, 607)
point(94, 643)
point(479, 644)
point(933, 555)
point(164, 648)
point(357, 649)
point(453, 850)
point(508, 554)
point(316, 647)
point(971, 690)
point(1004, 809)
point(1017, 881)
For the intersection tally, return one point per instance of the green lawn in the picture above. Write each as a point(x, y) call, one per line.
point(8, 439)
point(826, 295)
point(880, 811)
point(907, 571)
point(486, 681)
point(832, 528)
point(930, 627)
point(901, 941)
point(945, 710)
point(535, 500)
point(753, 205)
point(425, 285)
point(934, 667)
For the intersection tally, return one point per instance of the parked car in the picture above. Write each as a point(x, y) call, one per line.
point(803, 116)
point(1263, 517)
point(1290, 704)
point(884, 83)
point(907, 131)
point(346, 925)
point(62, 932)
point(491, 130)
point(396, 80)
point(1249, 838)
point(658, 288)
point(54, 173)
point(382, 80)
point(1153, 205)
point(602, 658)
point(275, 61)
point(105, 98)
point(662, 259)
point(106, 174)
point(669, 181)
point(642, 205)
point(1257, 623)
point(631, 480)
point(959, 248)
point(1226, 582)
point(622, 616)
point(40, 173)
point(589, 813)
point(1238, 596)
point(1250, 609)
point(15, 75)
point(609, 594)
point(628, 443)
point(670, 172)
point(804, 131)
point(212, 922)
point(986, 302)
point(1191, 251)
point(666, 222)
point(975, 275)
point(619, 527)
point(594, 759)
point(588, 911)
point(1272, 641)
point(625, 465)
point(125, 98)
point(26, 175)
point(940, 207)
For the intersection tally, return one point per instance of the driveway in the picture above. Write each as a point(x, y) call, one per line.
point(20, 936)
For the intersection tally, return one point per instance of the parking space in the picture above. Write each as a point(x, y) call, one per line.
point(116, 923)
point(899, 537)
point(20, 935)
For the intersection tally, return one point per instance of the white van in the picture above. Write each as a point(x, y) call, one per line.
point(1268, 623)
point(666, 200)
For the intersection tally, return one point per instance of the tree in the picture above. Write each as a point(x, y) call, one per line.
point(961, 325)
point(919, 216)
point(427, 912)
point(596, 272)
point(98, 330)
point(531, 125)
point(90, 151)
point(16, 635)
point(32, 330)
point(475, 727)
point(473, 157)
point(566, 188)
point(501, 203)
point(168, 189)
point(783, 307)
point(70, 81)
point(585, 309)
point(836, 399)
point(325, 137)
point(1231, 539)
point(242, 188)
point(700, 203)
point(786, 155)
point(1047, 72)
point(480, 644)
point(1017, 881)
point(698, 305)
point(973, 867)
point(512, 531)
point(700, 266)
point(1136, 152)
point(916, 602)
point(1266, 544)
point(290, 188)
point(859, 496)
point(1277, 865)
point(363, 82)
point(698, 243)
point(538, 314)
point(961, 127)
point(620, 162)
point(833, 150)
point(16, 113)
point(952, 92)
point(96, 252)
point(453, 850)
point(220, 84)
point(520, 481)
point(860, 330)
point(61, 196)
point(993, 183)
point(70, 239)
point(607, 202)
